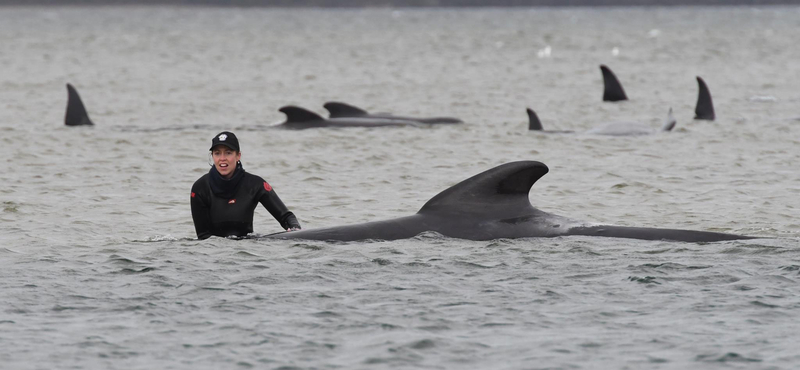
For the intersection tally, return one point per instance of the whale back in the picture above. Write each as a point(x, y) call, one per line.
point(337, 109)
point(299, 115)
point(612, 89)
point(76, 113)
point(500, 192)
point(533, 121)
point(705, 107)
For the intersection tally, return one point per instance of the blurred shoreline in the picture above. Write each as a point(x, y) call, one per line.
point(405, 3)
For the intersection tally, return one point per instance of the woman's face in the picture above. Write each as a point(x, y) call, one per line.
point(225, 160)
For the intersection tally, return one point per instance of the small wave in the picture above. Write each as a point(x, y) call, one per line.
point(422, 344)
point(310, 247)
point(454, 304)
point(123, 260)
point(789, 268)
point(763, 99)
point(765, 305)
point(129, 271)
point(247, 254)
point(327, 314)
point(212, 288)
point(477, 265)
point(59, 308)
point(382, 261)
point(671, 266)
point(728, 357)
point(162, 238)
point(644, 280)
point(496, 324)
point(10, 207)
point(417, 264)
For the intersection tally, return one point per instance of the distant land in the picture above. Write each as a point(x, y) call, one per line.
point(402, 3)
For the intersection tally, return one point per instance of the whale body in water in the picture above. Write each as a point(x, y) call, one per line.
point(610, 128)
point(492, 205)
point(338, 110)
point(300, 119)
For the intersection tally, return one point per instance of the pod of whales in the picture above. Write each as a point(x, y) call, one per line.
point(76, 113)
point(339, 110)
point(704, 110)
point(612, 91)
point(492, 205)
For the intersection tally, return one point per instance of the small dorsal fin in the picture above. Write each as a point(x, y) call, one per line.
point(533, 121)
point(337, 109)
point(612, 89)
point(297, 114)
point(669, 122)
point(503, 189)
point(76, 113)
point(705, 107)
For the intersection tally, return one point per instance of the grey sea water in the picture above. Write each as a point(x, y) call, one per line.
point(100, 269)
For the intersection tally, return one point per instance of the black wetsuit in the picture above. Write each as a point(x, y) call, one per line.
point(225, 207)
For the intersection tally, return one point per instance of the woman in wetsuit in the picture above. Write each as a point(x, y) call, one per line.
point(224, 199)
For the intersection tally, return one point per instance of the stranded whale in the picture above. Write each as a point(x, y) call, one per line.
point(492, 205)
point(338, 110)
point(611, 128)
point(76, 113)
point(300, 118)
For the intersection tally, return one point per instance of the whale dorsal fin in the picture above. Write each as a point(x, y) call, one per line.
point(705, 108)
point(76, 113)
point(669, 122)
point(337, 109)
point(503, 189)
point(612, 89)
point(533, 121)
point(297, 114)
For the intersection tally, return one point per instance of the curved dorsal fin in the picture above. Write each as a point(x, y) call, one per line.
point(337, 109)
point(297, 114)
point(76, 113)
point(612, 89)
point(669, 122)
point(533, 121)
point(705, 108)
point(503, 189)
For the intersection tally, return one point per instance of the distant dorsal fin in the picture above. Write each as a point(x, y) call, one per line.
point(297, 114)
point(76, 112)
point(612, 89)
point(504, 189)
point(705, 108)
point(533, 121)
point(337, 109)
point(669, 122)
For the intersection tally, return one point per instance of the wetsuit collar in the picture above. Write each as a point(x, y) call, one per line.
point(222, 187)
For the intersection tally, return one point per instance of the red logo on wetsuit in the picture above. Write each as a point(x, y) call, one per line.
point(232, 201)
point(267, 187)
point(192, 194)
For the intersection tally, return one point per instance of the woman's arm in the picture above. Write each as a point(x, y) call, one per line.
point(270, 200)
point(201, 214)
